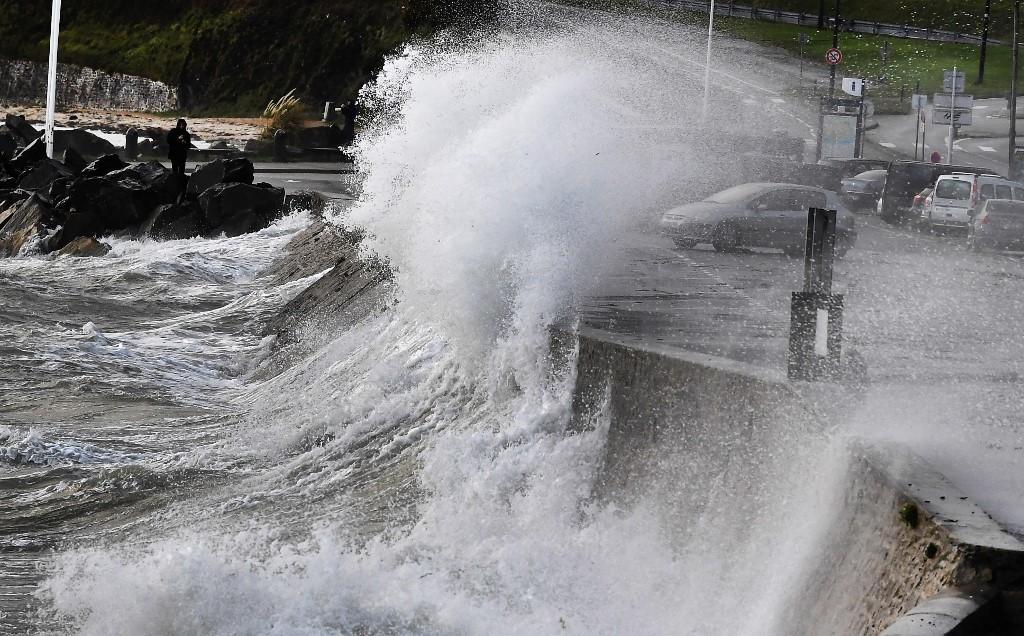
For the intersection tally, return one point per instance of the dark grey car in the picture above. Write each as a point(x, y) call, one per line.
point(999, 224)
point(770, 215)
point(863, 190)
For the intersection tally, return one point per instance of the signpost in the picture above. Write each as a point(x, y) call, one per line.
point(853, 86)
point(51, 79)
point(952, 108)
point(833, 57)
point(918, 103)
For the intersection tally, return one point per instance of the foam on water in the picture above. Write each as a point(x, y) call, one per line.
point(417, 477)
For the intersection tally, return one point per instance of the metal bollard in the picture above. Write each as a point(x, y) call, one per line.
point(131, 143)
point(280, 146)
point(816, 314)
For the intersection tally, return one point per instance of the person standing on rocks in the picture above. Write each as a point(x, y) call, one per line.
point(178, 142)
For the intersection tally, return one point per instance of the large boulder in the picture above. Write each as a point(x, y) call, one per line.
point(42, 174)
point(103, 166)
point(24, 132)
point(30, 154)
point(84, 142)
point(84, 246)
point(317, 137)
point(32, 220)
point(76, 225)
point(154, 175)
point(74, 160)
point(8, 144)
point(219, 171)
point(117, 204)
point(238, 208)
point(177, 221)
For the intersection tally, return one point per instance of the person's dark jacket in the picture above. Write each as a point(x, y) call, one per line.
point(178, 142)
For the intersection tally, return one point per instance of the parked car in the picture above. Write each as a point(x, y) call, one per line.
point(864, 189)
point(850, 167)
point(770, 215)
point(956, 198)
point(999, 224)
point(906, 178)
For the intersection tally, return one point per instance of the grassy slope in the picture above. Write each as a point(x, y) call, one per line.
point(911, 61)
point(232, 56)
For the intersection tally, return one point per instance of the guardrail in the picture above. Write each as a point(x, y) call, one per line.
point(730, 9)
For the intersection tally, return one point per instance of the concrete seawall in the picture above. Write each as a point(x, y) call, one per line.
point(903, 549)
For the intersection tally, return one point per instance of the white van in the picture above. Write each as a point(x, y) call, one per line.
point(956, 197)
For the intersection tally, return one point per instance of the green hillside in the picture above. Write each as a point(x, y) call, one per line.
point(232, 56)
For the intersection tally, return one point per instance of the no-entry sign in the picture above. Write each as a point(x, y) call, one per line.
point(833, 56)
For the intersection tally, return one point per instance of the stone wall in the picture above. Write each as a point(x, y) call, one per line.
point(24, 82)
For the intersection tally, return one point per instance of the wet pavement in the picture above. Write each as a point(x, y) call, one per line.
point(938, 326)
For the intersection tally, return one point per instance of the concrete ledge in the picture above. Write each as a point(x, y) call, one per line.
point(954, 611)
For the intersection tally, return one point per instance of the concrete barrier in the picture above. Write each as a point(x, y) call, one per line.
point(904, 550)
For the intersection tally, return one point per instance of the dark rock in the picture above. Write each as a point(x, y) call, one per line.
point(22, 130)
point(32, 219)
point(103, 166)
point(59, 188)
point(221, 145)
point(8, 145)
point(74, 161)
point(76, 225)
point(306, 201)
point(117, 204)
point(73, 118)
point(177, 221)
point(219, 171)
point(238, 201)
point(258, 147)
point(153, 175)
point(84, 246)
point(86, 143)
point(42, 174)
point(30, 154)
point(147, 148)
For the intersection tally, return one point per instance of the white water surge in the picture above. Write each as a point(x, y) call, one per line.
point(414, 475)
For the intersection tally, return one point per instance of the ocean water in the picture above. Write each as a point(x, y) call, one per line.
point(412, 473)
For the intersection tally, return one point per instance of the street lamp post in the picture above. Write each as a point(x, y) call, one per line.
point(1012, 164)
point(51, 79)
point(707, 61)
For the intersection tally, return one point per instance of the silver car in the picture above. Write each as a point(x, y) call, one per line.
point(998, 224)
point(757, 215)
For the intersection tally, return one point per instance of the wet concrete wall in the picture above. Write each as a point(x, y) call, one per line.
point(897, 535)
point(24, 82)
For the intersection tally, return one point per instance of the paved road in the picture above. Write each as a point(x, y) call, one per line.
point(937, 325)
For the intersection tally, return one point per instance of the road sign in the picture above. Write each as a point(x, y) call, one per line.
point(853, 86)
point(957, 117)
point(833, 56)
point(945, 101)
point(918, 101)
point(948, 84)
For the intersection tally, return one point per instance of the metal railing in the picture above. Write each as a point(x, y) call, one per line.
point(732, 10)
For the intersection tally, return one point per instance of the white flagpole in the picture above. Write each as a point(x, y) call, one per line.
point(51, 81)
point(707, 63)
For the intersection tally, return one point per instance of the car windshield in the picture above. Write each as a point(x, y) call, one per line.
point(738, 194)
point(953, 189)
point(871, 175)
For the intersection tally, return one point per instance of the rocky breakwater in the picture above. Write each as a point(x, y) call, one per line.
point(66, 206)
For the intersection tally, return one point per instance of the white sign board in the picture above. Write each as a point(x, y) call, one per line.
point(947, 81)
point(839, 136)
point(919, 101)
point(945, 101)
point(959, 117)
point(853, 86)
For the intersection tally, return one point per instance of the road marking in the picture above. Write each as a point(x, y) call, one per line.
point(778, 100)
point(982, 107)
point(886, 144)
point(292, 181)
point(986, 148)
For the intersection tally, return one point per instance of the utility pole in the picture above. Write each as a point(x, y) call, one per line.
point(984, 41)
point(51, 78)
point(1012, 163)
point(835, 45)
point(952, 122)
point(707, 61)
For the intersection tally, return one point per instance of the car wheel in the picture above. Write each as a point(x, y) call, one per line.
point(725, 239)
point(684, 244)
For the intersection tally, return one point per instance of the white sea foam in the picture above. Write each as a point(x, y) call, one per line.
point(497, 183)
